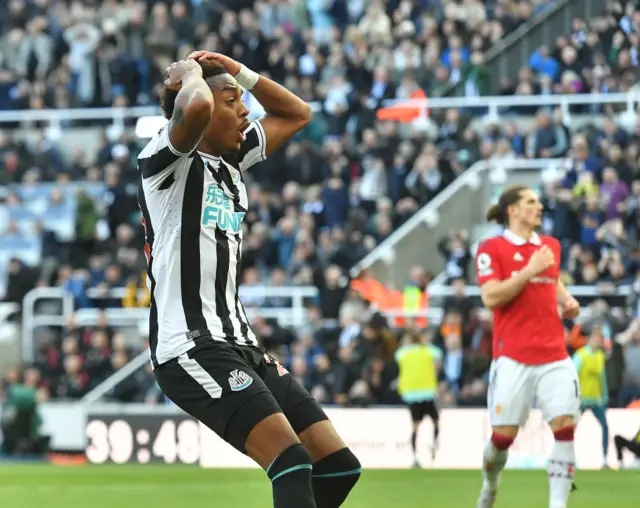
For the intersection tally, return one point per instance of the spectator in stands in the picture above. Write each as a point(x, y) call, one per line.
point(630, 340)
point(613, 193)
point(548, 140)
point(455, 251)
point(21, 279)
point(459, 302)
point(75, 381)
point(20, 420)
point(335, 192)
point(543, 63)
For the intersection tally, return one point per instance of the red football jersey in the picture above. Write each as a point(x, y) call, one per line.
point(529, 329)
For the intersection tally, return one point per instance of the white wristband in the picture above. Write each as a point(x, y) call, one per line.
point(247, 78)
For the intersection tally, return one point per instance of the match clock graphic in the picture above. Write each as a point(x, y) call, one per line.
point(142, 439)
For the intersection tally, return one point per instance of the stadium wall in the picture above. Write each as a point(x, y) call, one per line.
point(137, 433)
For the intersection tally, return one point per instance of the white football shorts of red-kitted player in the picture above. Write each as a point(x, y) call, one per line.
point(531, 364)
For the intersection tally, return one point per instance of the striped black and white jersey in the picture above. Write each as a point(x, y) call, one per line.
point(193, 206)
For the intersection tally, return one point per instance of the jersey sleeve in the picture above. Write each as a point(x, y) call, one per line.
point(254, 147)
point(159, 160)
point(488, 263)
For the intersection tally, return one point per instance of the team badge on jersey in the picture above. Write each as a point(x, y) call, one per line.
point(239, 380)
point(235, 175)
point(484, 265)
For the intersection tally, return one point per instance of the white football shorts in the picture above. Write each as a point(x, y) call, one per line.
point(515, 388)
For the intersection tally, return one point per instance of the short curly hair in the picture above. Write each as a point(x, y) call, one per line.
point(168, 96)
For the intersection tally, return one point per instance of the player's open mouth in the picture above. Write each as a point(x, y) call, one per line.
point(243, 128)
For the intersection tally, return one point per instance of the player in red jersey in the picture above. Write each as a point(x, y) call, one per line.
point(518, 274)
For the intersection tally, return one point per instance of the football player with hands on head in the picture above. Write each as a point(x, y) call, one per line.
point(205, 355)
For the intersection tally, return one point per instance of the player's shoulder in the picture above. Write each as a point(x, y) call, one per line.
point(157, 142)
point(551, 241)
point(491, 244)
point(159, 160)
point(160, 143)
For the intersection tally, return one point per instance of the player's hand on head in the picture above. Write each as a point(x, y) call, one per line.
point(177, 71)
point(541, 259)
point(230, 65)
point(571, 309)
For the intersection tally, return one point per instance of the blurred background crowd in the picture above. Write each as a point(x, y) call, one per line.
point(69, 217)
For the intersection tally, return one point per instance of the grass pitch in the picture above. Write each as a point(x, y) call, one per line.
point(40, 486)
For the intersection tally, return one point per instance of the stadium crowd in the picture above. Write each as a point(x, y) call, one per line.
point(327, 199)
point(85, 53)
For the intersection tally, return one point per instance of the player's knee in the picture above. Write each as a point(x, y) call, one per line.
point(503, 436)
point(562, 423)
point(334, 477)
point(564, 433)
point(507, 431)
point(352, 466)
point(293, 459)
point(340, 463)
point(501, 441)
point(269, 437)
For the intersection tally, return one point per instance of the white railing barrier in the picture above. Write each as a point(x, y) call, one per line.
point(433, 314)
point(492, 103)
point(295, 315)
point(471, 177)
point(116, 378)
point(30, 321)
point(56, 116)
point(7, 309)
point(577, 291)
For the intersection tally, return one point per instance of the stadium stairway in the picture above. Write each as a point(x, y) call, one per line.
point(462, 205)
point(507, 57)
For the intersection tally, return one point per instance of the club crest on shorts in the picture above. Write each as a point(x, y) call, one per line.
point(239, 380)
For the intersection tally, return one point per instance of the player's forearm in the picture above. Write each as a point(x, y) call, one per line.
point(278, 101)
point(194, 93)
point(502, 293)
point(562, 294)
point(191, 114)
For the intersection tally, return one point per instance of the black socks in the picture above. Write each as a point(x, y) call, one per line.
point(334, 477)
point(290, 475)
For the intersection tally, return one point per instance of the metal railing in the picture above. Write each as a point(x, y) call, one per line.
point(295, 315)
point(492, 103)
point(8, 309)
point(577, 291)
point(61, 115)
point(436, 219)
point(116, 378)
point(434, 315)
